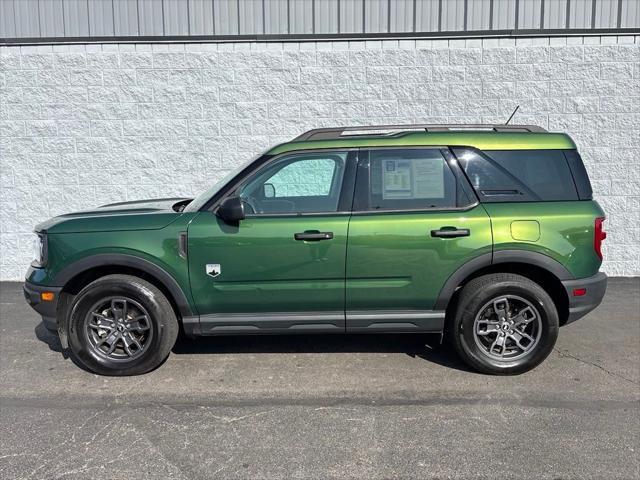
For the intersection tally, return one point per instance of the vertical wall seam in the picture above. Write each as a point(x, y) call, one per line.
point(213, 17)
point(138, 17)
point(238, 13)
point(465, 13)
point(619, 20)
point(113, 17)
point(490, 14)
point(415, 13)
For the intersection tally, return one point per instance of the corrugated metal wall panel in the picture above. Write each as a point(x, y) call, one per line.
point(51, 18)
point(326, 20)
point(225, 14)
point(427, 16)
point(27, 22)
point(479, 14)
point(453, 15)
point(150, 17)
point(529, 14)
point(555, 12)
point(200, 17)
point(80, 18)
point(251, 17)
point(125, 20)
point(351, 16)
point(276, 16)
point(630, 13)
point(175, 15)
point(76, 18)
point(606, 13)
point(580, 14)
point(376, 16)
point(301, 16)
point(7, 19)
point(504, 14)
point(401, 16)
point(101, 21)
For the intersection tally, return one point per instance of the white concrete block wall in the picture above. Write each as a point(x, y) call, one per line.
point(85, 125)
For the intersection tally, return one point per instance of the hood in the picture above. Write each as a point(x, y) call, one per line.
point(136, 215)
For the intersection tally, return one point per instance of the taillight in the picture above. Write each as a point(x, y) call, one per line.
point(598, 236)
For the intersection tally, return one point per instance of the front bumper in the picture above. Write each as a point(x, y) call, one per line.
point(47, 309)
point(595, 288)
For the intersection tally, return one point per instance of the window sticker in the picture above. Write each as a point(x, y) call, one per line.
point(413, 178)
point(396, 179)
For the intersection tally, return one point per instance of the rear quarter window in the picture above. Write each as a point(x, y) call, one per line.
point(518, 175)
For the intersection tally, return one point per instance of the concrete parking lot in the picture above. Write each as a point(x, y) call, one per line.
point(324, 407)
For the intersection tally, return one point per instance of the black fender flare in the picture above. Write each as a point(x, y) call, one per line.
point(131, 261)
point(501, 256)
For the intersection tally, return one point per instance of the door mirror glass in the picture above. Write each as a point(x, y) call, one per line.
point(231, 210)
point(269, 191)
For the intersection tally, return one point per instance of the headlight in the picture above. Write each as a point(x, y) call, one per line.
point(40, 250)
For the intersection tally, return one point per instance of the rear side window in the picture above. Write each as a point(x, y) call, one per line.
point(518, 175)
point(579, 174)
point(409, 179)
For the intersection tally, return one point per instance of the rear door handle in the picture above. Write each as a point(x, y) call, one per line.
point(450, 232)
point(313, 236)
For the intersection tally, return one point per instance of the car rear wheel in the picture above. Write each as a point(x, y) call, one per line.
point(121, 325)
point(504, 324)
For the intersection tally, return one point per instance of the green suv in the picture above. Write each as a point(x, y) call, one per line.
point(485, 233)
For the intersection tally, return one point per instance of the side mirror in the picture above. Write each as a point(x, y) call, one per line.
point(268, 190)
point(231, 210)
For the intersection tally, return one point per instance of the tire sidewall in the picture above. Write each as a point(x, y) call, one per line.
point(85, 353)
point(549, 327)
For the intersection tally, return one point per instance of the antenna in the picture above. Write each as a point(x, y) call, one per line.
point(514, 112)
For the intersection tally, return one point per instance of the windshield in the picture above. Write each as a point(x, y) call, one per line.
point(198, 202)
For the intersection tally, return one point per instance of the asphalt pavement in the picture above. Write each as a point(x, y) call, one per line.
point(373, 407)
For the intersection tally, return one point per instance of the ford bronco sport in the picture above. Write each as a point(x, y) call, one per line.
point(486, 233)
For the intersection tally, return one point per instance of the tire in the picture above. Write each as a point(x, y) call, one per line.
point(488, 308)
point(127, 315)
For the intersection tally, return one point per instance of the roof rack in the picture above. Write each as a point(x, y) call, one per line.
point(386, 130)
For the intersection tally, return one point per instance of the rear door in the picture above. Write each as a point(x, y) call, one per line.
point(415, 221)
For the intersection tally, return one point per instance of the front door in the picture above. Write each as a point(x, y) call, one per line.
point(415, 221)
point(282, 268)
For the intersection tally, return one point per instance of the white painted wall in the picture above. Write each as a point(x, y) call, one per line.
point(85, 125)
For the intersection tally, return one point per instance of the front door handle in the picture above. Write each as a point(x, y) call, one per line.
point(313, 236)
point(450, 232)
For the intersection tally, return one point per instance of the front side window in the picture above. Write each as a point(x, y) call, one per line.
point(301, 183)
point(412, 179)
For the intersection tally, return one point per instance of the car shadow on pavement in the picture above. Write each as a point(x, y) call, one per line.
point(50, 338)
point(425, 347)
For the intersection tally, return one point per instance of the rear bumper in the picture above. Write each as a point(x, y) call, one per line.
point(48, 310)
point(579, 306)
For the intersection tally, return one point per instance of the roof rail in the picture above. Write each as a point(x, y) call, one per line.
point(385, 130)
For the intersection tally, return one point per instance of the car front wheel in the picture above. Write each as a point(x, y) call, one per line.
point(504, 324)
point(121, 325)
